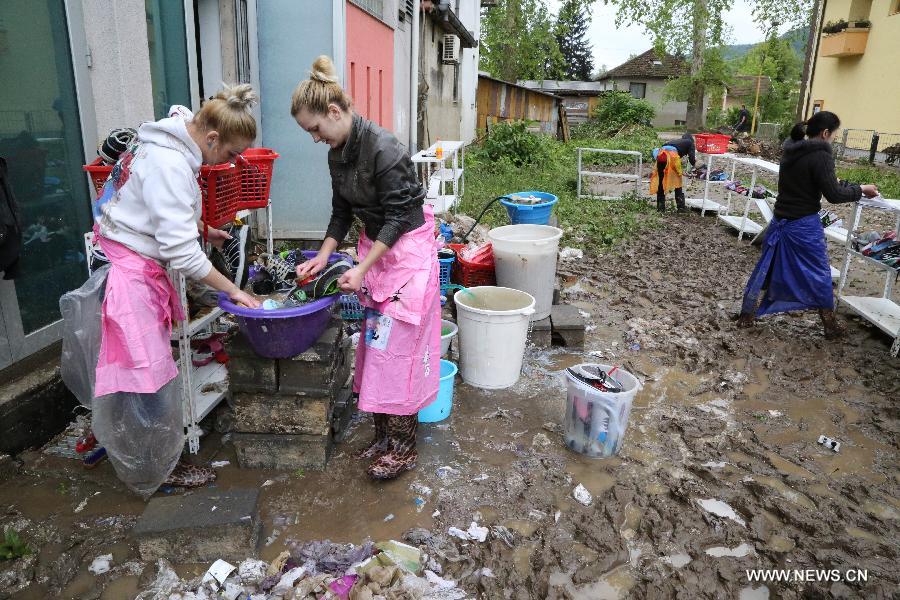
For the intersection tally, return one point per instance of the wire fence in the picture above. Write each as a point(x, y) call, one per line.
point(870, 146)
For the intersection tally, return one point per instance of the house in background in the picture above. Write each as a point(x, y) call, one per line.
point(645, 76)
point(743, 91)
point(854, 72)
point(579, 97)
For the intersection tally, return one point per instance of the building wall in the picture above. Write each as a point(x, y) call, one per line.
point(370, 66)
point(116, 33)
point(470, 15)
point(501, 101)
point(442, 115)
point(845, 85)
point(402, 74)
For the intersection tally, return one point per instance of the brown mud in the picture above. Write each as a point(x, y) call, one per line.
point(725, 415)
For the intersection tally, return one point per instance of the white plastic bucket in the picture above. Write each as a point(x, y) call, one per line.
point(493, 327)
point(595, 421)
point(448, 332)
point(525, 259)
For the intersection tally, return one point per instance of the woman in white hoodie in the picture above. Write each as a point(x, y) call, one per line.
point(148, 218)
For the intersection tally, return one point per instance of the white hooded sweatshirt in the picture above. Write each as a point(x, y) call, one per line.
point(157, 207)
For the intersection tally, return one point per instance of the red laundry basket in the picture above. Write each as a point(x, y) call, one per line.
point(471, 274)
point(712, 143)
point(99, 173)
point(256, 177)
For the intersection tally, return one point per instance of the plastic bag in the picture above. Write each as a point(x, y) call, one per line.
point(81, 313)
point(142, 433)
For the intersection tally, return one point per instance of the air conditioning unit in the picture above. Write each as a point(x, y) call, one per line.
point(451, 50)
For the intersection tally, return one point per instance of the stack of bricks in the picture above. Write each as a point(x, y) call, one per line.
point(288, 411)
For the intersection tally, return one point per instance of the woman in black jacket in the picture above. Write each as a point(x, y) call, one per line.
point(373, 179)
point(793, 272)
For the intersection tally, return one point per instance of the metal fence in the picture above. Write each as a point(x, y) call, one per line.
point(870, 146)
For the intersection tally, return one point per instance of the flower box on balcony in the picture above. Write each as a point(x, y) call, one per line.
point(849, 42)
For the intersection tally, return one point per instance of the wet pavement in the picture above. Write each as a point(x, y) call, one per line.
point(720, 471)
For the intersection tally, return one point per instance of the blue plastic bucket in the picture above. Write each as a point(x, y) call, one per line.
point(440, 408)
point(534, 214)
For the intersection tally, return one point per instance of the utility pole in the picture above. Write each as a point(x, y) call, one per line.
point(769, 38)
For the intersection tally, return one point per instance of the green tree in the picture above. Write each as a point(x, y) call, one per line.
point(776, 59)
point(691, 27)
point(518, 41)
point(571, 35)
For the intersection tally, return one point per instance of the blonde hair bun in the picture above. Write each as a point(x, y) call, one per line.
point(323, 70)
point(240, 96)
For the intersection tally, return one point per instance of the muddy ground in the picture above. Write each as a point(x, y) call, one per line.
point(725, 414)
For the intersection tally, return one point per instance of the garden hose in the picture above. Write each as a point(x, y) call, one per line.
point(484, 210)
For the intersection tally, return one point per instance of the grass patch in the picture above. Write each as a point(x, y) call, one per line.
point(593, 225)
point(887, 180)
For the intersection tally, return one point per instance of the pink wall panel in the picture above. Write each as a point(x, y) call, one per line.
point(370, 65)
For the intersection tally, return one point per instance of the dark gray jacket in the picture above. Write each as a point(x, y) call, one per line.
point(685, 146)
point(805, 175)
point(373, 178)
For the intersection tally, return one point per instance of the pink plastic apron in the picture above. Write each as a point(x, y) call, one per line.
point(398, 356)
point(139, 308)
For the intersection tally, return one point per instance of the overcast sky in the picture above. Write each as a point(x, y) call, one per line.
point(612, 46)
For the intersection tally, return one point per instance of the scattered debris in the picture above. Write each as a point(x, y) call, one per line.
point(830, 443)
point(571, 254)
point(583, 496)
point(473, 533)
point(101, 564)
point(218, 464)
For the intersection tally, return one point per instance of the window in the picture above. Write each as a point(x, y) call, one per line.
point(818, 105)
point(638, 90)
point(242, 41)
point(895, 7)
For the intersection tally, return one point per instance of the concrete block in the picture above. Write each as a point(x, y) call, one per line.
point(34, 408)
point(284, 452)
point(200, 527)
point(247, 371)
point(568, 326)
point(541, 333)
point(342, 413)
point(313, 372)
point(268, 413)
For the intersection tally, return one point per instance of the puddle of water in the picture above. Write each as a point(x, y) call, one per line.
point(632, 517)
point(123, 587)
point(614, 585)
point(591, 474)
point(521, 558)
point(736, 552)
point(655, 488)
point(778, 543)
point(525, 528)
point(881, 511)
point(787, 467)
point(786, 491)
point(750, 593)
point(677, 560)
point(862, 534)
point(721, 509)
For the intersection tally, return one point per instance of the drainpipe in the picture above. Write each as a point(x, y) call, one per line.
point(414, 79)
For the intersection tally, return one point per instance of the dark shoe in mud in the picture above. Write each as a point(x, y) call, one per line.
point(375, 449)
point(746, 320)
point(187, 475)
point(379, 445)
point(834, 329)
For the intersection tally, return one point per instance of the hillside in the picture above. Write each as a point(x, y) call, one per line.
point(797, 37)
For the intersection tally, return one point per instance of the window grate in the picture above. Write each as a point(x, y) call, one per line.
point(373, 7)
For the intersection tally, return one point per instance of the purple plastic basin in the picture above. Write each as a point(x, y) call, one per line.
point(284, 332)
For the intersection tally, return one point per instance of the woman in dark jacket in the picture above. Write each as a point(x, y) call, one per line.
point(372, 178)
point(793, 272)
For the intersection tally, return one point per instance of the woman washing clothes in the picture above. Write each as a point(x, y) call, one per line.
point(147, 219)
point(793, 272)
point(372, 177)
